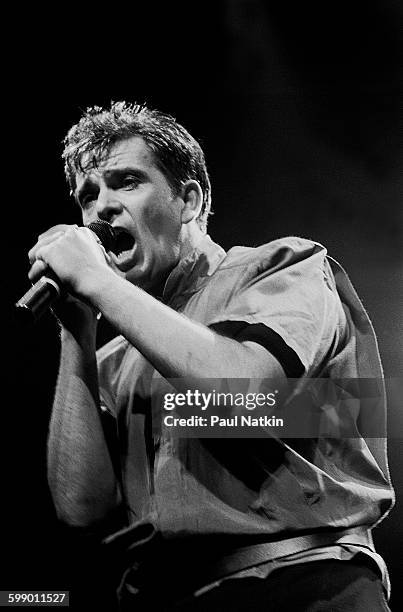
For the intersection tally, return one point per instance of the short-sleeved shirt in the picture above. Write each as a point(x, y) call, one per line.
point(290, 297)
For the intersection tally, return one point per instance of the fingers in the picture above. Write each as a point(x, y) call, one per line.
point(61, 227)
point(90, 234)
point(47, 237)
point(72, 253)
point(33, 253)
point(37, 253)
point(37, 270)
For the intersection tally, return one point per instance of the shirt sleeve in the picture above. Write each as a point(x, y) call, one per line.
point(109, 363)
point(266, 337)
point(288, 288)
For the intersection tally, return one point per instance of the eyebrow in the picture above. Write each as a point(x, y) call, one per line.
point(114, 173)
point(85, 188)
point(119, 172)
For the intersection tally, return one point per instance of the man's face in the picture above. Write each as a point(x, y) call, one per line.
point(129, 191)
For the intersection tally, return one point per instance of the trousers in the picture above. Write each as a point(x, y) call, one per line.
point(316, 586)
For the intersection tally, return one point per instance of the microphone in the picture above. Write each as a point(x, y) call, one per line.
point(47, 289)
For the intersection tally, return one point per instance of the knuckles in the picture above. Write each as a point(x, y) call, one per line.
point(58, 246)
point(51, 236)
point(60, 227)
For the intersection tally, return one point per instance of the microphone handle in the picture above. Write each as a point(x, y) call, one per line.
point(40, 297)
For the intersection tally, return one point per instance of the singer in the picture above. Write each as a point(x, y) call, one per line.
point(192, 523)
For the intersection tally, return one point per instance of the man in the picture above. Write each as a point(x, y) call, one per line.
point(203, 523)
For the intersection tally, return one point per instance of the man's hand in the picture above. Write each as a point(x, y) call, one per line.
point(72, 253)
point(76, 258)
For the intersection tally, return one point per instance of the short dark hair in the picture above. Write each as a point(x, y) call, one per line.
point(177, 154)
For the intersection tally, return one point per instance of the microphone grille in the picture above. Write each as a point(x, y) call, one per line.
point(105, 232)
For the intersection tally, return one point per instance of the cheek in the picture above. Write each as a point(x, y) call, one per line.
point(86, 218)
point(162, 220)
point(88, 215)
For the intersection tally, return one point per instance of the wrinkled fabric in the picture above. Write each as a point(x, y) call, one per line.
point(266, 487)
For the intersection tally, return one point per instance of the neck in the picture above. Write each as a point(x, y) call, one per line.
point(189, 239)
point(191, 235)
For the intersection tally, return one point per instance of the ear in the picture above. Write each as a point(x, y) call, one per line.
point(192, 196)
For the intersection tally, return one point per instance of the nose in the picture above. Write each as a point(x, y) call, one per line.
point(107, 205)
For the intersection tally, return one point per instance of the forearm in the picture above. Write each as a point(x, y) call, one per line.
point(80, 471)
point(177, 346)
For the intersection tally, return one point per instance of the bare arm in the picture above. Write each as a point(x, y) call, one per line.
point(175, 345)
point(80, 471)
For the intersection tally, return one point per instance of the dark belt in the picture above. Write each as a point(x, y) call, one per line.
point(199, 568)
point(248, 556)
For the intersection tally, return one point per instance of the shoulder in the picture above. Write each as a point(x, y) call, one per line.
point(276, 254)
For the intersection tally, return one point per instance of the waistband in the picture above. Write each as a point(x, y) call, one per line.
point(248, 556)
point(198, 565)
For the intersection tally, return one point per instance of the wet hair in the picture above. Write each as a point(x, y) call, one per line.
point(177, 154)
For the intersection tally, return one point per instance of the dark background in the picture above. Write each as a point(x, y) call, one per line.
point(298, 107)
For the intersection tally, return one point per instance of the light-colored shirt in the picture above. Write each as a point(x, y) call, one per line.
point(267, 486)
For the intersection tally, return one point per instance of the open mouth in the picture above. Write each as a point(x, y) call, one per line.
point(124, 242)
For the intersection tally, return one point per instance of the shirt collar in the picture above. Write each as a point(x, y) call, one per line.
point(193, 270)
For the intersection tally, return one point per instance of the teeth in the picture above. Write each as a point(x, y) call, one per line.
point(123, 254)
point(124, 242)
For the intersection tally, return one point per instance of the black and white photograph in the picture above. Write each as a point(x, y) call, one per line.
point(204, 307)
